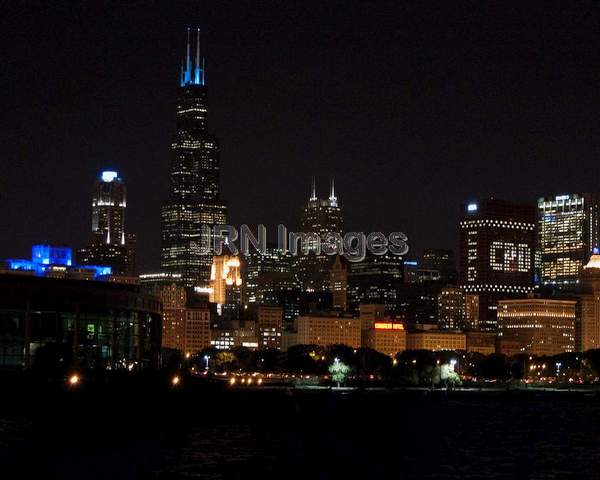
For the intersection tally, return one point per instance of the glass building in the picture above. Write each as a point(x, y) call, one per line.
point(194, 198)
point(80, 323)
point(568, 232)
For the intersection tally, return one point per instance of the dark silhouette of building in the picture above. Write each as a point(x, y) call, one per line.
point(77, 323)
point(194, 198)
point(442, 260)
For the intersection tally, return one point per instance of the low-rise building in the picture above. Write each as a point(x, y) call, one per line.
point(435, 340)
point(386, 336)
point(481, 342)
point(329, 330)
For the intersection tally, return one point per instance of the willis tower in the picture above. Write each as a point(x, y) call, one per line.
point(194, 198)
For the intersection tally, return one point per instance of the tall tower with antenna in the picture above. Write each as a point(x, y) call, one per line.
point(194, 197)
point(321, 216)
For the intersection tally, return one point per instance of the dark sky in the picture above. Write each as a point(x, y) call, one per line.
point(413, 108)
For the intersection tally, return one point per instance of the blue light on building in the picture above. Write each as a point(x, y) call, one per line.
point(45, 258)
point(109, 175)
point(49, 255)
point(472, 207)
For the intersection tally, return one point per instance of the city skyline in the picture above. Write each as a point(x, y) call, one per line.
point(426, 165)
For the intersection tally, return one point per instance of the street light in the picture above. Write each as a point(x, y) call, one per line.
point(206, 357)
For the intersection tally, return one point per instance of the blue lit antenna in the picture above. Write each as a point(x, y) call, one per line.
point(186, 74)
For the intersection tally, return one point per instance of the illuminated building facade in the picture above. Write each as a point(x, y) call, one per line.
point(587, 333)
point(56, 262)
point(267, 275)
point(225, 280)
point(109, 243)
point(451, 308)
point(194, 198)
point(436, 340)
point(269, 322)
point(497, 245)
point(375, 280)
point(186, 321)
point(380, 332)
point(539, 326)
point(569, 230)
point(319, 216)
point(328, 330)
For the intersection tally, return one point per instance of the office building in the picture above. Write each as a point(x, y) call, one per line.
point(109, 243)
point(338, 278)
point(569, 230)
point(320, 217)
point(194, 198)
point(539, 326)
point(186, 319)
point(266, 275)
point(587, 330)
point(441, 260)
point(376, 279)
point(436, 340)
point(325, 330)
point(451, 308)
point(497, 244)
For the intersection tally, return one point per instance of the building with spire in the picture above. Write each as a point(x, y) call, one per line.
point(109, 243)
point(194, 198)
point(320, 216)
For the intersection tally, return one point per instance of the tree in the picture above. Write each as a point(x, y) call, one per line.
point(339, 371)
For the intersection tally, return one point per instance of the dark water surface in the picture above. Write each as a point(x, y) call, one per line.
point(247, 434)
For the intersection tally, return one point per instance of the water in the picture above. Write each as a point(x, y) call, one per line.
point(318, 435)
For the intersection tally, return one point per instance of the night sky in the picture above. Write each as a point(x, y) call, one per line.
point(414, 109)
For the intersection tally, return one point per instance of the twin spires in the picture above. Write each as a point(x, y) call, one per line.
point(332, 197)
point(198, 69)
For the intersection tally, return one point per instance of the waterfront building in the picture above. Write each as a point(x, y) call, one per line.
point(540, 326)
point(326, 330)
point(436, 340)
point(89, 324)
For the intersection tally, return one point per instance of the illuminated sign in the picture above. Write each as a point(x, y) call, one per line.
point(510, 257)
point(472, 207)
point(388, 326)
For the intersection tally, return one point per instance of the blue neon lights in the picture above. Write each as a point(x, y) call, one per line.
point(472, 207)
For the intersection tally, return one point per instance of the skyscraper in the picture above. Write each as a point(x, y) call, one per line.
point(109, 243)
point(320, 216)
point(569, 229)
point(194, 199)
point(497, 243)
